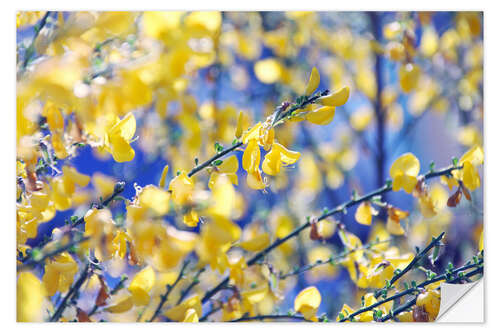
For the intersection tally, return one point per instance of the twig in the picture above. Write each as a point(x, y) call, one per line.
point(30, 50)
point(435, 242)
point(164, 297)
point(74, 289)
point(331, 260)
point(33, 262)
point(193, 283)
point(444, 276)
point(298, 230)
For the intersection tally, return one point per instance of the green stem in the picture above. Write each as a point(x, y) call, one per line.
point(263, 317)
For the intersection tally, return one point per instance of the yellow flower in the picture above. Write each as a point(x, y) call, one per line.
point(431, 301)
point(103, 184)
point(256, 243)
point(404, 172)
point(59, 274)
point(307, 302)
point(470, 176)
point(321, 116)
point(191, 316)
point(481, 242)
point(268, 70)
point(409, 75)
point(364, 213)
point(337, 98)
point(250, 162)
point(278, 156)
point(140, 286)
point(178, 313)
point(345, 312)
point(161, 183)
point(182, 187)
point(155, 199)
point(117, 139)
point(123, 304)
point(30, 295)
point(313, 83)
point(229, 167)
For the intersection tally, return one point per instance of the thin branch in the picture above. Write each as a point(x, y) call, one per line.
point(74, 289)
point(164, 297)
point(421, 254)
point(415, 289)
point(332, 260)
point(31, 49)
point(193, 283)
point(298, 230)
point(33, 262)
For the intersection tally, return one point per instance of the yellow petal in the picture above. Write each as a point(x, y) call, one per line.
point(307, 302)
point(121, 149)
point(191, 316)
point(161, 184)
point(122, 306)
point(337, 98)
point(321, 116)
point(251, 156)
point(141, 285)
point(364, 213)
point(313, 83)
point(257, 243)
point(125, 127)
point(30, 295)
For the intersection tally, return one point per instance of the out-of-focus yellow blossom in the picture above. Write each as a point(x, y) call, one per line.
point(123, 303)
point(173, 247)
point(307, 302)
point(430, 203)
point(409, 75)
point(395, 51)
point(182, 188)
point(364, 213)
point(469, 136)
point(404, 172)
point(191, 316)
point(141, 284)
point(481, 244)
point(313, 82)
point(366, 81)
point(392, 30)
point(155, 199)
point(103, 184)
point(430, 300)
point(429, 43)
point(254, 239)
point(178, 312)
point(361, 118)
point(59, 274)
point(30, 295)
point(268, 70)
point(277, 157)
point(162, 182)
point(117, 139)
point(405, 317)
point(394, 227)
point(324, 271)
